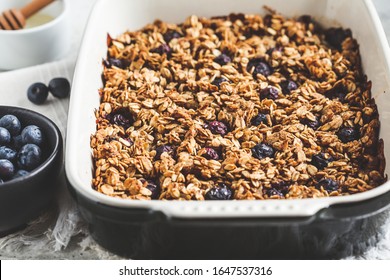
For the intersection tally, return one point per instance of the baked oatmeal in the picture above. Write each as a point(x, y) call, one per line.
point(235, 107)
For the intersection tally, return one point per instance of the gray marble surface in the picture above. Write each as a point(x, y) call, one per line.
point(60, 233)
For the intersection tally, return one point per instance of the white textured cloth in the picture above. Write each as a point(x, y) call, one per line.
point(60, 233)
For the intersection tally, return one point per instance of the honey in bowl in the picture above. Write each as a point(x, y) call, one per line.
point(38, 19)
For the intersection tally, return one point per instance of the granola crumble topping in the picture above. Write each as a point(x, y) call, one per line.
point(235, 107)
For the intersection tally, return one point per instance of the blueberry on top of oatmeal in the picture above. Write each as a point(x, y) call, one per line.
point(269, 93)
point(210, 153)
point(321, 160)
point(281, 186)
point(259, 119)
point(336, 36)
point(273, 192)
point(288, 86)
point(163, 48)
point(312, 124)
point(327, 184)
point(222, 59)
point(219, 192)
point(121, 117)
point(218, 81)
point(217, 127)
point(262, 150)
point(121, 120)
point(117, 62)
point(154, 189)
point(338, 92)
point(163, 149)
point(348, 134)
point(259, 66)
point(172, 34)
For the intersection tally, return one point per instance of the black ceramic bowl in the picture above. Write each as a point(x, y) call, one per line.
point(24, 198)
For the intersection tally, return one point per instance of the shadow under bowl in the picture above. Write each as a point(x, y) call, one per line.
point(24, 198)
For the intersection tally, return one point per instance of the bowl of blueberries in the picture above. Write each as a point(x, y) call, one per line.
point(31, 159)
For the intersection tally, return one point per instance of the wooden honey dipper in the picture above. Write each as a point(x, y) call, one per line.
point(16, 18)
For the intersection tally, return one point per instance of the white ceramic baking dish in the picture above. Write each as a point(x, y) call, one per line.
point(310, 228)
point(115, 17)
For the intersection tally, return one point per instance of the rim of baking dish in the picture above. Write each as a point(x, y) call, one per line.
point(231, 208)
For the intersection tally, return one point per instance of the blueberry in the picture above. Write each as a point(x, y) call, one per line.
point(121, 117)
point(312, 124)
point(7, 169)
point(17, 142)
point(218, 81)
point(281, 186)
point(273, 192)
point(20, 173)
point(154, 189)
point(336, 36)
point(234, 17)
point(306, 19)
point(267, 20)
point(288, 86)
point(348, 134)
point(262, 150)
point(11, 123)
point(59, 87)
point(37, 93)
point(338, 92)
point(29, 157)
point(163, 149)
point(172, 34)
point(210, 153)
point(222, 59)
point(117, 62)
point(269, 93)
point(327, 184)
point(7, 153)
point(5, 136)
point(217, 127)
point(163, 48)
point(220, 192)
point(259, 119)
point(321, 160)
point(339, 95)
point(121, 120)
point(259, 66)
point(32, 134)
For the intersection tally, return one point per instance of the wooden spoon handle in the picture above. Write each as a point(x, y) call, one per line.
point(34, 7)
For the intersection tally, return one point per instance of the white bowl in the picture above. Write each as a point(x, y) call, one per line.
point(36, 45)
